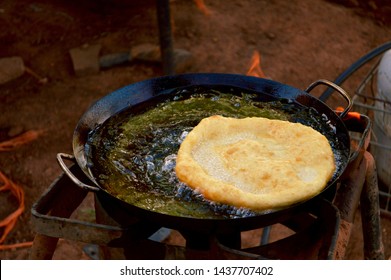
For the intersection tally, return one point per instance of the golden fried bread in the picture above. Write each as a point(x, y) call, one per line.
point(256, 163)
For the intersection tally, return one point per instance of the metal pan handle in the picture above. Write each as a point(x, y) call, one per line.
point(337, 88)
point(74, 179)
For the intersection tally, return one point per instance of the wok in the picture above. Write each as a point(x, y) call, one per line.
point(155, 91)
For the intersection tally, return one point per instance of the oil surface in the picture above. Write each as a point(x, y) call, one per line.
point(133, 154)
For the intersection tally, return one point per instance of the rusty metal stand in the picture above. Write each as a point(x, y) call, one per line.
point(370, 213)
point(50, 217)
point(360, 187)
point(322, 230)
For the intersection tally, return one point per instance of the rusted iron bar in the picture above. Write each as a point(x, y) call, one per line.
point(50, 219)
point(348, 194)
point(347, 201)
point(360, 187)
point(56, 204)
point(370, 213)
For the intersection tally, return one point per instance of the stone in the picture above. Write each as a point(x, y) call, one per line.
point(114, 59)
point(146, 52)
point(11, 68)
point(151, 53)
point(85, 59)
point(183, 60)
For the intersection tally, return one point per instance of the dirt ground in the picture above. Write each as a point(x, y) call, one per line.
point(300, 41)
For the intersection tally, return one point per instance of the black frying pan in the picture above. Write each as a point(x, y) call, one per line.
point(160, 89)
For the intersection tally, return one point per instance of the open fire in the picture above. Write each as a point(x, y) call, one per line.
point(255, 66)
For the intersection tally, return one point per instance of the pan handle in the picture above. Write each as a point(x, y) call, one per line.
point(74, 179)
point(337, 88)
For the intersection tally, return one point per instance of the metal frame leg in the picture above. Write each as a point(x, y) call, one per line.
point(370, 213)
point(165, 36)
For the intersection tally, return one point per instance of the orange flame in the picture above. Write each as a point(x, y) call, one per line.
point(202, 7)
point(255, 66)
point(350, 115)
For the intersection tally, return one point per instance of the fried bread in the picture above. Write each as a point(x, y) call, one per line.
point(255, 162)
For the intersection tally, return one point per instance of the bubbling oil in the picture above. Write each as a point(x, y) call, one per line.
point(133, 154)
